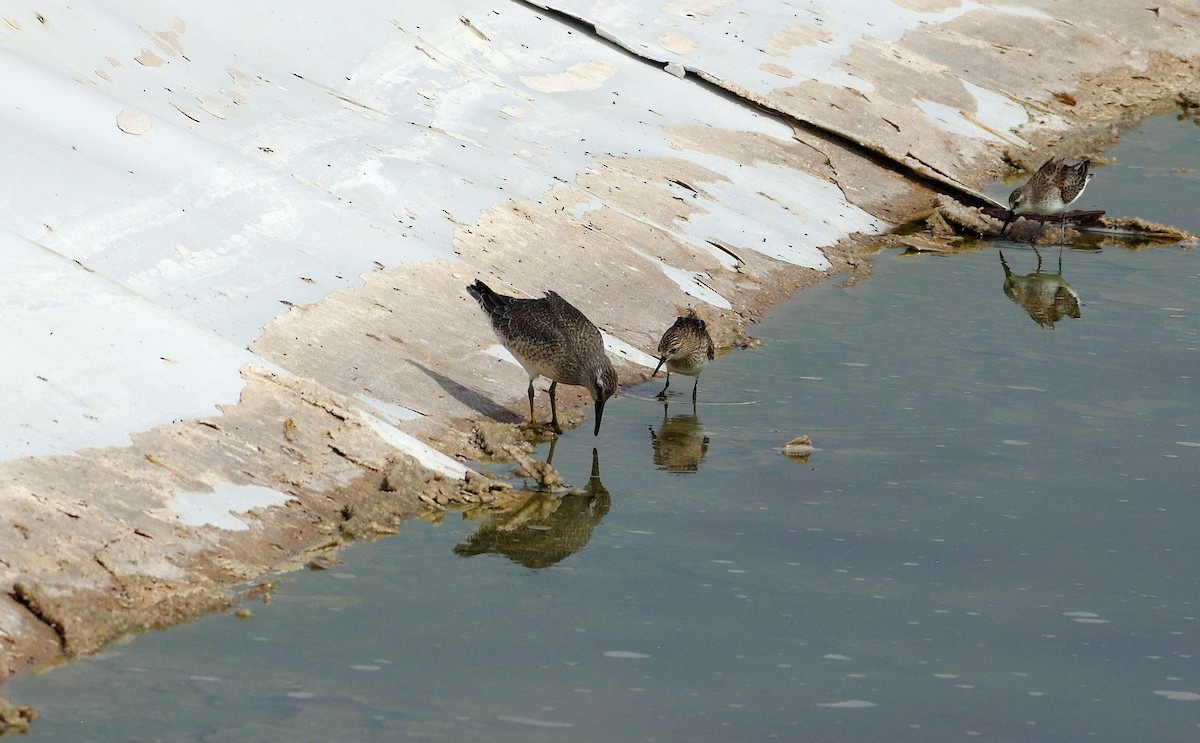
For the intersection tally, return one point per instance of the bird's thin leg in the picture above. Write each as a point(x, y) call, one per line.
point(663, 393)
point(554, 409)
point(694, 386)
point(532, 420)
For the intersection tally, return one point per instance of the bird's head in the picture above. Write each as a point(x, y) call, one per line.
point(671, 347)
point(1018, 197)
point(1016, 200)
point(603, 385)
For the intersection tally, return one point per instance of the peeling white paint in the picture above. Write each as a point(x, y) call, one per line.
point(811, 36)
point(621, 349)
point(952, 120)
point(999, 113)
point(414, 447)
point(996, 117)
point(392, 413)
point(779, 212)
point(219, 507)
point(692, 283)
point(502, 353)
point(580, 76)
point(87, 362)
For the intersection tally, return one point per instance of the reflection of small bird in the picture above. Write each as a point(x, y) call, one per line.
point(1053, 188)
point(679, 444)
point(552, 339)
point(1047, 297)
point(686, 348)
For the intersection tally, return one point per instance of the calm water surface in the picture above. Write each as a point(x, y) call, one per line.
point(996, 539)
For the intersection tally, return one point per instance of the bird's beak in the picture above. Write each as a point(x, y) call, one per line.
point(1008, 220)
point(599, 415)
point(661, 361)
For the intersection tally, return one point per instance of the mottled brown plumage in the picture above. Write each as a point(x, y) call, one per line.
point(1054, 187)
point(686, 348)
point(551, 338)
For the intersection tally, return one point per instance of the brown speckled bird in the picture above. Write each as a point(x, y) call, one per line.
point(552, 339)
point(1053, 188)
point(686, 348)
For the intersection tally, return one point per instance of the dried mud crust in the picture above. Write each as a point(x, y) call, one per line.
point(1105, 106)
point(15, 719)
point(86, 622)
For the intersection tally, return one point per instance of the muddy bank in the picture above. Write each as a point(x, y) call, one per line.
point(360, 390)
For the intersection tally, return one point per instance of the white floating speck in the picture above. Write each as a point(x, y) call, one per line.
point(626, 654)
point(533, 722)
point(848, 704)
point(1178, 696)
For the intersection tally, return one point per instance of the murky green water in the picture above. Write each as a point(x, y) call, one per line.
point(996, 539)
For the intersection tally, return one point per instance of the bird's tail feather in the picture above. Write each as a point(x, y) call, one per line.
point(489, 300)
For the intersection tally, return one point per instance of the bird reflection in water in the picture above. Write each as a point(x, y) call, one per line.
point(1047, 297)
point(542, 528)
point(679, 444)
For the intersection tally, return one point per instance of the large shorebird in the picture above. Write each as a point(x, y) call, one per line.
point(1053, 188)
point(552, 339)
point(686, 348)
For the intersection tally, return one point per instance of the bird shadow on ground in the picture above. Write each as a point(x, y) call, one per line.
point(470, 398)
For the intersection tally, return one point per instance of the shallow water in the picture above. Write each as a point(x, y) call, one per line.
point(995, 539)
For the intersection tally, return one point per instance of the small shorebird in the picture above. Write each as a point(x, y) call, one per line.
point(552, 339)
point(686, 348)
point(1053, 188)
